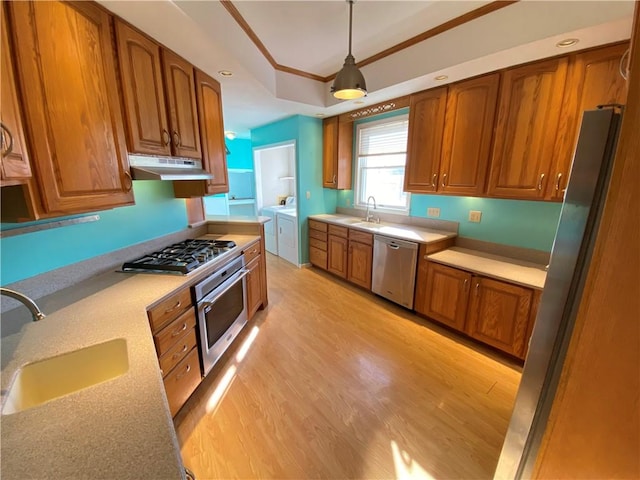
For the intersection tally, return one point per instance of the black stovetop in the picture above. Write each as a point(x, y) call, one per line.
point(180, 258)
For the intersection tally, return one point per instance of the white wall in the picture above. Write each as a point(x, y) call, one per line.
point(275, 173)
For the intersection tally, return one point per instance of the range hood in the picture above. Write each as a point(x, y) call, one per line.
point(167, 168)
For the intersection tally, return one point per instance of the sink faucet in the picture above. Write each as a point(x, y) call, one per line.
point(30, 304)
point(369, 215)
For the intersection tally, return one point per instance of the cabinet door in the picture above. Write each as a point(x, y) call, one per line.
point(65, 57)
point(330, 152)
point(209, 100)
point(337, 255)
point(143, 92)
point(447, 294)
point(594, 79)
point(181, 101)
point(15, 162)
point(426, 125)
point(499, 314)
point(254, 282)
point(468, 130)
point(528, 115)
point(337, 153)
point(359, 264)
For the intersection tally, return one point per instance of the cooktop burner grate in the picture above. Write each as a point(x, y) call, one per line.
point(181, 258)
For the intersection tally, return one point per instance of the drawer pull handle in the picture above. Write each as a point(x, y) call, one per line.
point(434, 180)
point(254, 250)
point(187, 370)
point(466, 284)
point(166, 138)
point(477, 288)
point(444, 180)
point(177, 305)
point(540, 181)
point(179, 354)
point(558, 178)
point(178, 332)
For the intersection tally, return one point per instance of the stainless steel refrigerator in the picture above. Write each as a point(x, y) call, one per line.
point(568, 266)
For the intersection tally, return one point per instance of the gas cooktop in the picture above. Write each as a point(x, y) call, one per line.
point(180, 258)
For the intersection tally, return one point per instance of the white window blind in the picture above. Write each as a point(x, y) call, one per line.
point(381, 159)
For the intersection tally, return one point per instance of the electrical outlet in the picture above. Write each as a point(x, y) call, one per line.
point(308, 194)
point(433, 212)
point(475, 216)
point(348, 202)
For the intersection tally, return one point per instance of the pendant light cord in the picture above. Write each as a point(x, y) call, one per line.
point(350, 16)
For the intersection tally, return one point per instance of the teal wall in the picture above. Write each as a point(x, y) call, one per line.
point(307, 133)
point(156, 213)
point(241, 154)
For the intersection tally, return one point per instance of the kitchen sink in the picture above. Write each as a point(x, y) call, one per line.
point(45, 380)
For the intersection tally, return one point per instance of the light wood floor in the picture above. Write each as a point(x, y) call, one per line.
point(337, 383)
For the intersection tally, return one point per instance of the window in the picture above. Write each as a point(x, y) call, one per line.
point(380, 161)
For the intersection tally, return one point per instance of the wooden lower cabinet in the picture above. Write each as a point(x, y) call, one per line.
point(446, 295)
point(496, 313)
point(337, 250)
point(255, 281)
point(499, 315)
point(173, 324)
point(360, 258)
point(318, 244)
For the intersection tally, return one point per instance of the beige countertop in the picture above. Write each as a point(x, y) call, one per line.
point(395, 230)
point(502, 268)
point(121, 428)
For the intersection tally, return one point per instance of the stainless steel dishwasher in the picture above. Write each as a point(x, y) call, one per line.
point(394, 269)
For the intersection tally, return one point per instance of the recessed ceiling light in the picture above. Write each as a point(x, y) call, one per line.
point(567, 42)
point(225, 73)
point(229, 134)
point(359, 102)
point(441, 77)
point(319, 114)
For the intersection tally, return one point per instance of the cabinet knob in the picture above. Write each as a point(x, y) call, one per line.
point(166, 138)
point(540, 181)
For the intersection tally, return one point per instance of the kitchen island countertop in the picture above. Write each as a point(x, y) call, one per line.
point(120, 428)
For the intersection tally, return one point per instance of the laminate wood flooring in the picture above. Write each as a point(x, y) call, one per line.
point(333, 382)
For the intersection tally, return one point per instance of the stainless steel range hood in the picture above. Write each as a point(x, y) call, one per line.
point(167, 168)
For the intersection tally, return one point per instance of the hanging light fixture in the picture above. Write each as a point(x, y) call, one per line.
point(349, 82)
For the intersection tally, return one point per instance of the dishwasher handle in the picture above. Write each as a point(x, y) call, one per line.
point(394, 243)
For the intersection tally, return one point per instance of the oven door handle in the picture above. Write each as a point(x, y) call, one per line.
point(230, 283)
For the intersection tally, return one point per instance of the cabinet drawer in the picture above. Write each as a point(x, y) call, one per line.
point(338, 231)
point(362, 237)
point(318, 257)
point(167, 310)
point(182, 381)
point(251, 252)
point(322, 236)
point(314, 225)
point(168, 336)
point(177, 352)
point(319, 244)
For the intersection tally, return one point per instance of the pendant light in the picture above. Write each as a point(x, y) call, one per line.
point(349, 82)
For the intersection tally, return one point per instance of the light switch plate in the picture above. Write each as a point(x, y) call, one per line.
point(475, 216)
point(308, 194)
point(433, 212)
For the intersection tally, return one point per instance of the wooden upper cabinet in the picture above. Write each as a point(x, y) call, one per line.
point(446, 294)
point(426, 125)
point(594, 79)
point(143, 91)
point(15, 161)
point(468, 130)
point(64, 53)
point(528, 115)
point(181, 102)
point(499, 315)
point(337, 153)
point(209, 99)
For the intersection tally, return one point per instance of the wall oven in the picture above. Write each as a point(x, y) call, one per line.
point(221, 303)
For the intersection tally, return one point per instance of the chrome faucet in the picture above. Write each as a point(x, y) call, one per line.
point(26, 301)
point(369, 215)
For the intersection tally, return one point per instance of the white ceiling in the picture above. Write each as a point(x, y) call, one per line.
point(312, 36)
